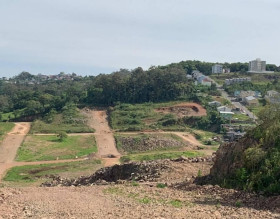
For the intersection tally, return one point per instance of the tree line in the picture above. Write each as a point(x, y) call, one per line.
point(135, 86)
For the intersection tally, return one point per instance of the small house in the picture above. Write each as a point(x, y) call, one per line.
point(272, 96)
point(215, 103)
point(226, 115)
point(223, 109)
point(251, 101)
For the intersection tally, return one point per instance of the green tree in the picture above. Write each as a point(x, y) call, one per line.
point(62, 136)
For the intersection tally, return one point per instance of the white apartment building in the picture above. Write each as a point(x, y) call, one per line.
point(217, 69)
point(257, 66)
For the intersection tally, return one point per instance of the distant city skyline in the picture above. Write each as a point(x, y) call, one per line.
point(89, 37)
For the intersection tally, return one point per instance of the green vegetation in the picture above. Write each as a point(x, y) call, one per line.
point(146, 198)
point(62, 136)
point(34, 173)
point(258, 79)
point(238, 204)
point(206, 137)
point(240, 117)
point(69, 121)
point(4, 128)
point(38, 148)
point(133, 183)
point(176, 203)
point(159, 155)
point(137, 117)
point(148, 116)
point(256, 109)
point(259, 160)
point(57, 126)
point(161, 185)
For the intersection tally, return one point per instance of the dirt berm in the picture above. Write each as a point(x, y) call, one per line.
point(148, 171)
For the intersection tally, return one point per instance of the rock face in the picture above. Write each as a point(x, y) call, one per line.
point(229, 158)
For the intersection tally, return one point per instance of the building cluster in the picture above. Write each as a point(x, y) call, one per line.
point(37, 79)
point(233, 132)
point(237, 80)
point(201, 78)
point(219, 69)
point(249, 98)
point(272, 96)
point(255, 66)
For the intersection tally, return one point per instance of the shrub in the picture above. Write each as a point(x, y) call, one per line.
point(161, 185)
point(62, 136)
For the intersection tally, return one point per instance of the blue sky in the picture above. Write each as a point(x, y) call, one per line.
point(89, 37)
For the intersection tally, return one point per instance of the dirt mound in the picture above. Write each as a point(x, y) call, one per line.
point(184, 109)
point(146, 171)
point(148, 143)
point(149, 171)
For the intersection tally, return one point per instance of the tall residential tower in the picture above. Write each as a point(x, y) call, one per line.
point(257, 66)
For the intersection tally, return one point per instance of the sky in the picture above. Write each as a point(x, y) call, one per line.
point(89, 37)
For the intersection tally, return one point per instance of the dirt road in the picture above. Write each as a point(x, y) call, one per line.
point(10, 145)
point(104, 137)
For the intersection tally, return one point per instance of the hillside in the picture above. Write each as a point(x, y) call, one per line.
point(253, 162)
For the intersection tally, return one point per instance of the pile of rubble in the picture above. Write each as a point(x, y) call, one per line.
point(145, 171)
point(148, 143)
point(148, 171)
point(195, 159)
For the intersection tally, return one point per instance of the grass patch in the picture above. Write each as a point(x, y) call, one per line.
point(159, 155)
point(10, 115)
point(34, 173)
point(113, 190)
point(144, 197)
point(145, 200)
point(206, 137)
point(261, 79)
point(240, 117)
point(38, 148)
point(69, 122)
point(176, 203)
point(5, 127)
point(133, 183)
point(138, 117)
point(255, 109)
point(161, 185)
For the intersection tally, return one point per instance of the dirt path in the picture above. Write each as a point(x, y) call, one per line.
point(10, 145)
point(104, 137)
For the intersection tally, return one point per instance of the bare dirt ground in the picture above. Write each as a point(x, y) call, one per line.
point(184, 109)
point(10, 145)
point(143, 200)
point(104, 137)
